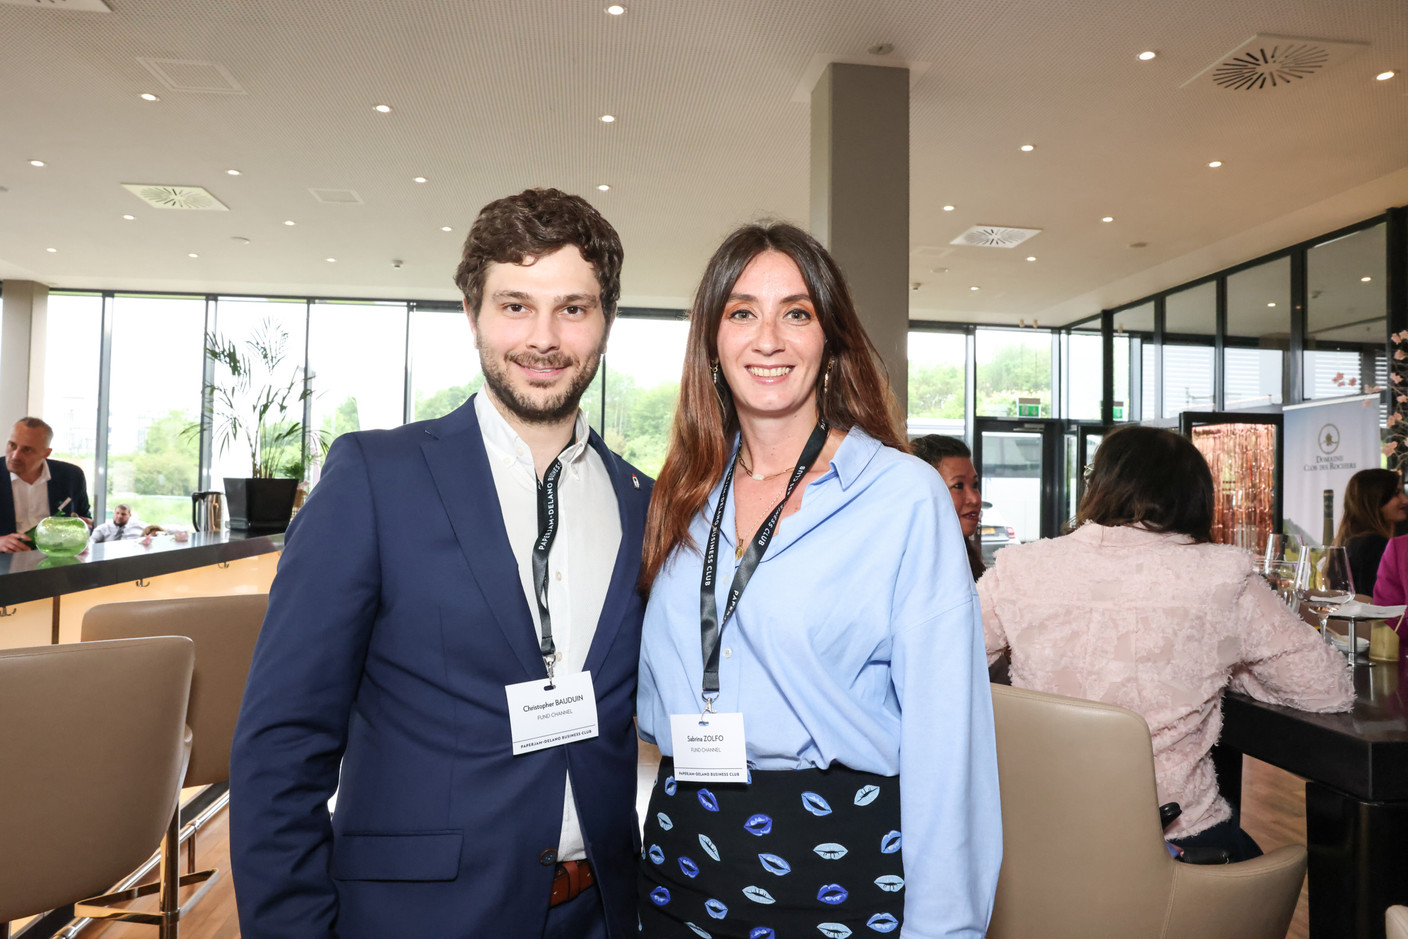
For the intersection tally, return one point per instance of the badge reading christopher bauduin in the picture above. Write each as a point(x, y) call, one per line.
point(546, 712)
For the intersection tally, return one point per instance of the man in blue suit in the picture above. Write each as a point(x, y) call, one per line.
point(452, 639)
point(39, 487)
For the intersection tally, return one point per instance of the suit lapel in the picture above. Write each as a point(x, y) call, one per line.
point(459, 465)
point(630, 503)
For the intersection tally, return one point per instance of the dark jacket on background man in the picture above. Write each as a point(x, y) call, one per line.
point(66, 481)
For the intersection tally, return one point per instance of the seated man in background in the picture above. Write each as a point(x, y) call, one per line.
point(39, 487)
point(123, 525)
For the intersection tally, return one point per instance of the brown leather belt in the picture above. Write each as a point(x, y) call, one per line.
point(569, 880)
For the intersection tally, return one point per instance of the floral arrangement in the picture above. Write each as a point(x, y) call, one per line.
point(1395, 447)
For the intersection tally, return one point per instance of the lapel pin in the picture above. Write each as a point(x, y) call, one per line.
point(635, 481)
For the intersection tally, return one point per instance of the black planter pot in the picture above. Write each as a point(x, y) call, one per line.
point(259, 504)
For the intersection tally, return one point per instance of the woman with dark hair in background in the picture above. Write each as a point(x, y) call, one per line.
point(1136, 607)
point(1373, 504)
point(954, 461)
point(850, 659)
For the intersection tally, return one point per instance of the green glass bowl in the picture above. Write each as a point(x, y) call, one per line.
point(60, 536)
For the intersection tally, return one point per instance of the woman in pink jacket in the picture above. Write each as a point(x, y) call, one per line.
point(1136, 607)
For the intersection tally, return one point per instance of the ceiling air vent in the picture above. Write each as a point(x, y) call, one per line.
point(175, 197)
point(1267, 61)
point(336, 196)
point(193, 75)
point(994, 236)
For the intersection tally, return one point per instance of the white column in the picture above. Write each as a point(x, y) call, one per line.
point(23, 310)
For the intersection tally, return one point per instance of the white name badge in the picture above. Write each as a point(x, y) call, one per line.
point(709, 747)
point(548, 713)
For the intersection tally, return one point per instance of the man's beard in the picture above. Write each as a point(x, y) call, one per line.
point(556, 408)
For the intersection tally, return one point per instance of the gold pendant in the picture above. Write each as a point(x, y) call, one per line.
point(738, 551)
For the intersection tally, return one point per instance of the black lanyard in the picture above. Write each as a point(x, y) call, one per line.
point(710, 626)
point(547, 533)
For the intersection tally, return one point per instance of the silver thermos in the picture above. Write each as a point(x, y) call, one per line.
point(207, 511)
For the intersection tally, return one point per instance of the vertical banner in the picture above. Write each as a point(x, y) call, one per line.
point(1326, 443)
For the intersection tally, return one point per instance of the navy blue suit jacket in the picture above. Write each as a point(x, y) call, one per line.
point(66, 481)
point(395, 621)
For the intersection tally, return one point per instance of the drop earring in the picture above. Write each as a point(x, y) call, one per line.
point(826, 379)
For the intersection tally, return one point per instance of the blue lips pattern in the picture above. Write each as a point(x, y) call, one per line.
point(689, 868)
point(761, 932)
point(890, 843)
point(815, 804)
point(670, 785)
point(774, 864)
point(659, 896)
point(758, 825)
point(715, 908)
point(834, 930)
point(706, 799)
point(883, 922)
point(833, 893)
point(656, 855)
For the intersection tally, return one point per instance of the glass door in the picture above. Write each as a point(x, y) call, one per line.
point(1081, 442)
point(1019, 466)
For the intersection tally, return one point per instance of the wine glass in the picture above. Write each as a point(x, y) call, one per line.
point(1281, 576)
point(1323, 581)
point(1281, 549)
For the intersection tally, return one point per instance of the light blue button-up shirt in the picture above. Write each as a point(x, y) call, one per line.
point(858, 641)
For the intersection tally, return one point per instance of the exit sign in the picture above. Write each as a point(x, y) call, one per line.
point(1029, 407)
point(1118, 411)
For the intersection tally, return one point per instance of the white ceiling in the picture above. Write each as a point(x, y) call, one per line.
point(491, 96)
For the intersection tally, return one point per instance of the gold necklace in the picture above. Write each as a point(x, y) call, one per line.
point(760, 478)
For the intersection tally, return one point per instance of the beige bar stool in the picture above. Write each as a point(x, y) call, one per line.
point(1396, 922)
point(224, 630)
point(1083, 851)
point(95, 745)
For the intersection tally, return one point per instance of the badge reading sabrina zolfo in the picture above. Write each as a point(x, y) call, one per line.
point(709, 747)
point(550, 712)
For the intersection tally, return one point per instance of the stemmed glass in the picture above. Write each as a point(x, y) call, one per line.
point(1278, 566)
point(1323, 581)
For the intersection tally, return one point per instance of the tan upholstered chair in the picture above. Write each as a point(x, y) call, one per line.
point(1083, 852)
point(95, 743)
point(1396, 922)
point(224, 630)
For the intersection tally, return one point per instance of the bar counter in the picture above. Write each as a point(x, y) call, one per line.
point(42, 599)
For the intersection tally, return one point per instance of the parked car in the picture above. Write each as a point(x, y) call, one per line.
point(994, 533)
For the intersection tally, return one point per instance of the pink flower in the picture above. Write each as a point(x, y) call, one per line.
point(1388, 448)
point(1402, 399)
point(1339, 380)
point(1393, 418)
point(1372, 389)
point(1352, 382)
point(1399, 355)
point(1397, 379)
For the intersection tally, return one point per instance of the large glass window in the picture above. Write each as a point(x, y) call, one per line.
point(72, 346)
point(643, 363)
point(1258, 334)
point(157, 361)
point(1012, 364)
point(1136, 389)
point(1346, 306)
point(254, 327)
point(1083, 356)
point(1189, 374)
point(938, 364)
point(444, 363)
point(356, 355)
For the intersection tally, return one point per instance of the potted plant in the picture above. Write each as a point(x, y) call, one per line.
point(255, 403)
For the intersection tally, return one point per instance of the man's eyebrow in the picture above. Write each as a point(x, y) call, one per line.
point(568, 299)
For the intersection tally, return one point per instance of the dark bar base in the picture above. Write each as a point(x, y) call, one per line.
point(1358, 862)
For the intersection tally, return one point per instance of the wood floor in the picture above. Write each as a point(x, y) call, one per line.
point(1273, 812)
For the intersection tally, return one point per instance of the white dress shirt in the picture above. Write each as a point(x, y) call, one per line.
point(582, 558)
point(109, 531)
point(31, 500)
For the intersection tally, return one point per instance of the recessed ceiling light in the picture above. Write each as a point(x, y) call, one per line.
point(330, 260)
point(608, 118)
point(192, 255)
point(232, 172)
point(1108, 218)
point(420, 179)
point(1273, 303)
point(604, 188)
point(52, 250)
point(1215, 164)
point(1365, 280)
point(129, 217)
point(148, 96)
point(446, 228)
point(615, 9)
point(972, 288)
point(36, 162)
point(1027, 148)
point(289, 221)
point(382, 108)
point(1385, 76)
point(948, 208)
point(1031, 257)
point(1146, 55)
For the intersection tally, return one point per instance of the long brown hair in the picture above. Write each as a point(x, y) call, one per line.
point(857, 394)
point(1149, 477)
point(1365, 496)
point(934, 449)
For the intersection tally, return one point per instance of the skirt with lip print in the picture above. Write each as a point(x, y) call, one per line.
point(794, 853)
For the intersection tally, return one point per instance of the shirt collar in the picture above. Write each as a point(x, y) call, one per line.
point(500, 436)
point(44, 476)
point(853, 456)
point(1125, 535)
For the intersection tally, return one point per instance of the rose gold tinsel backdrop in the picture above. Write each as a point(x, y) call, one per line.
point(1242, 458)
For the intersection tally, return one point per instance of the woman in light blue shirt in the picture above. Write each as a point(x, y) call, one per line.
point(812, 632)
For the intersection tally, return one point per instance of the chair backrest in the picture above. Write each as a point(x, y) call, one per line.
point(93, 740)
point(1396, 922)
point(1083, 853)
point(224, 630)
